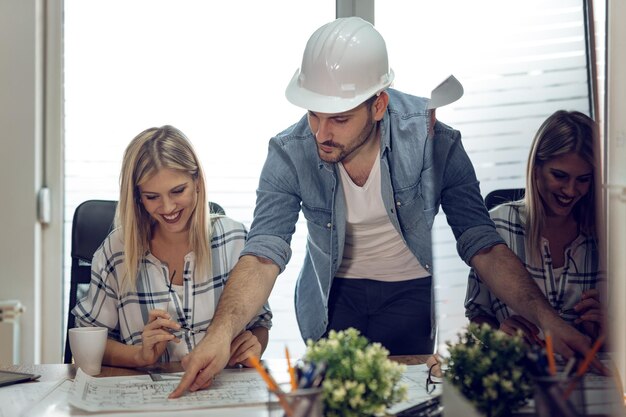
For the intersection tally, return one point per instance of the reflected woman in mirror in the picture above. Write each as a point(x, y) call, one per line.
point(552, 231)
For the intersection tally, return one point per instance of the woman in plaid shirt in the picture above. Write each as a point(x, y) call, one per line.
point(552, 231)
point(157, 278)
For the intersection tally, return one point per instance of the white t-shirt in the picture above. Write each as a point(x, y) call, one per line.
point(373, 247)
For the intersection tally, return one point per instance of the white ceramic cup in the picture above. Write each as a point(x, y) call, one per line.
point(87, 344)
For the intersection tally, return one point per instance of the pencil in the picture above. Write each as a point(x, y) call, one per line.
point(292, 371)
point(272, 385)
point(590, 355)
point(550, 354)
point(584, 365)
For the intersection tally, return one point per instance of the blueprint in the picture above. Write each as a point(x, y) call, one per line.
point(230, 388)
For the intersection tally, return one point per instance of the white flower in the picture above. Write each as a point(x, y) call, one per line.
point(339, 394)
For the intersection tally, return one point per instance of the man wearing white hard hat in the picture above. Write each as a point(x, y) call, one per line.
point(368, 166)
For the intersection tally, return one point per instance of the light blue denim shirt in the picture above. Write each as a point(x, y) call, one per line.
point(418, 175)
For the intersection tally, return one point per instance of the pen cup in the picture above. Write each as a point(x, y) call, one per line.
point(305, 402)
point(550, 396)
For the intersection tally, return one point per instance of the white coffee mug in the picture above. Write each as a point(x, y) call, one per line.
point(87, 344)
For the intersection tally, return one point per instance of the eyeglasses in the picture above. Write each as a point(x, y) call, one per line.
point(432, 380)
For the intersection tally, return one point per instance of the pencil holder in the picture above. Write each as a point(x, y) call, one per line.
point(559, 396)
point(305, 402)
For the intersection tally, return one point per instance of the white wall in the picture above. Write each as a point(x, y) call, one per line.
point(20, 162)
point(616, 141)
point(31, 157)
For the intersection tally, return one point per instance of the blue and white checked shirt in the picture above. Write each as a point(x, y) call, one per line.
point(125, 315)
point(580, 273)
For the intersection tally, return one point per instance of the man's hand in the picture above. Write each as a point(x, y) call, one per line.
point(202, 364)
point(567, 340)
point(247, 288)
point(570, 342)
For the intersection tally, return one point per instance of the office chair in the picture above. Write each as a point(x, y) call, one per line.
point(92, 223)
point(215, 208)
point(505, 195)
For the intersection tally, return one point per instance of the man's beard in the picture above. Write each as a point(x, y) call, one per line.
point(345, 151)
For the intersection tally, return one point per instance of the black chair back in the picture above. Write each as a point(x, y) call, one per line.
point(497, 197)
point(92, 222)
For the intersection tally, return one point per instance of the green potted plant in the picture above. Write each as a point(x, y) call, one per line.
point(360, 379)
point(487, 366)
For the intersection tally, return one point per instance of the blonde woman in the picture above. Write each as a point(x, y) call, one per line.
point(552, 231)
point(157, 278)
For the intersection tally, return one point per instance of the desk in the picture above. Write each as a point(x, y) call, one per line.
point(51, 373)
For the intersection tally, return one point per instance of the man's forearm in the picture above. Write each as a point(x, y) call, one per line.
point(246, 290)
point(502, 271)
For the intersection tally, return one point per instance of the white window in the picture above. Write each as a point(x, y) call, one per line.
point(215, 70)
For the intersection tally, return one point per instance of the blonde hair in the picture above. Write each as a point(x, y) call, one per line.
point(562, 133)
point(150, 151)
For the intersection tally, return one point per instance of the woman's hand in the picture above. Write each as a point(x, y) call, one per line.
point(242, 347)
point(155, 336)
point(530, 332)
point(591, 316)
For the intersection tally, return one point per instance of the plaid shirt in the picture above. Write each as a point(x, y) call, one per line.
point(580, 272)
point(126, 314)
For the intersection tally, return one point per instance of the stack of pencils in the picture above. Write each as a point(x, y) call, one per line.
point(305, 380)
point(553, 390)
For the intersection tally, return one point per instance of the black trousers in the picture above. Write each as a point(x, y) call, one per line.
point(396, 314)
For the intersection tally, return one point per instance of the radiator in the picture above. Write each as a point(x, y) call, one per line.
point(10, 311)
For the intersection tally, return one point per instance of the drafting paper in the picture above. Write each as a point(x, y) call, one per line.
point(230, 388)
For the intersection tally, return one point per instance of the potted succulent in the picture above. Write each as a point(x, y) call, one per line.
point(487, 366)
point(360, 379)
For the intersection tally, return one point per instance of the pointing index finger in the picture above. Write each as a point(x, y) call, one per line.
point(185, 382)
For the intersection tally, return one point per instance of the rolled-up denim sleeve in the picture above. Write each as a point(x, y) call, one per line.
point(277, 209)
point(464, 206)
point(476, 239)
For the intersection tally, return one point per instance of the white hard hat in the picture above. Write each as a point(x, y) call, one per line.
point(344, 63)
